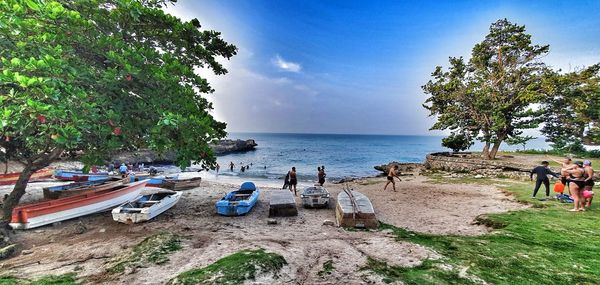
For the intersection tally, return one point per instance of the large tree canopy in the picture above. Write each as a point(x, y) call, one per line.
point(93, 76)
point(490, 96)
point(572, 107)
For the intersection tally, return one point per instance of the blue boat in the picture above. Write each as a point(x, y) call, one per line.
point(154, 181)
point(239, 202)
point(79, 176)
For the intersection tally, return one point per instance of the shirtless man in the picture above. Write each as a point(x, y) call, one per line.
point(293, 180)
point(390, 178)
point(566, 165)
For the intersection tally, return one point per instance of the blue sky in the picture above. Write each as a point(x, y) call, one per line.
point(357, 66)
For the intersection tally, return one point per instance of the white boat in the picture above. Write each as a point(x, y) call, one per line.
point(151, 203)
point(315, 196)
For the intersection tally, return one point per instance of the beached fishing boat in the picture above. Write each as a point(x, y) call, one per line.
point(79, 176)
point(354, 209)
point(47, 212)
point(151, 203)
point(238, 202)
point(153, 181)
point(315, 196)
point(181, 184)
point(76, 188)
point(11, 178)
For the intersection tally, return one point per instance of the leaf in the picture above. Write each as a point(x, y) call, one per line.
point(32, 5)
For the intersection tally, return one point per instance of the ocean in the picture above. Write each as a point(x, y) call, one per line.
point(342, 155)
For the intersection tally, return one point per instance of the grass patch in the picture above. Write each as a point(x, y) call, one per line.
point(154, 249)
point(327, 268)
point(65, 279)
point(233, 269)
point(546, 245)
point(426, 273)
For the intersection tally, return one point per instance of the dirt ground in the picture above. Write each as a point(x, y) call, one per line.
point(303, 240)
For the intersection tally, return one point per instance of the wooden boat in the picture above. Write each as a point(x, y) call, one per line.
point(315, 196)
point(181, 184)
point(11, 178)
point(47, 212)
point(354, 209)
point(153, 181)
point(282, 204)
point(238, 202)
point(76, 188)
point(79, 176)
point(152, 202)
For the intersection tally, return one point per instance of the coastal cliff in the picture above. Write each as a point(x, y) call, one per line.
point(148, 156)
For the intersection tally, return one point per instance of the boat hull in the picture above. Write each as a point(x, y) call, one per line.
point(359, 213)
point(78, 176)
point(181, 184)
point(230, 205)
point(48, 212)
point(125, 215)
point(11, 178)
point(77, 188)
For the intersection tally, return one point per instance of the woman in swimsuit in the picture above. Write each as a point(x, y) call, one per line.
point(589, 182)
point(293, 180)
point(576, 186)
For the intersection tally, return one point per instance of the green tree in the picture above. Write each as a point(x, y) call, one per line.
point(572, 107)
point(491, 95)
point(457, 141)
point(96, 76)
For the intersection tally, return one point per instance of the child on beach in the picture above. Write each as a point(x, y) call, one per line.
point(390, 177)
point(542, 171)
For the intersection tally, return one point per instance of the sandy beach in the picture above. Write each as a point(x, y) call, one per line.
point(87, 245)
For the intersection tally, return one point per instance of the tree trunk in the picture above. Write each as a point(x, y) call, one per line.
point(495, 148)
point(485, 154)
point(18, 191)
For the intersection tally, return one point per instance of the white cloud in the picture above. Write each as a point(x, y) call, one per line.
point(286, 65)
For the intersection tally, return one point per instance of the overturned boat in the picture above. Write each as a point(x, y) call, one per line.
point(76, 188)
point(33, 215)
point(181, 184)
point(354, 210)
point(151, 203)
point(239, 202)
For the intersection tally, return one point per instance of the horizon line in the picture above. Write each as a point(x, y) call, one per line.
point(309, 133)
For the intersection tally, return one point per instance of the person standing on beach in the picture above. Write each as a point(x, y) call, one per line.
point(231, 165)
point(218, 167)
point(123, 170)
point(390, 177)
point(321, 175)
point(542, 171)
point(577, 183)
point(293, 180)
point(588, 194)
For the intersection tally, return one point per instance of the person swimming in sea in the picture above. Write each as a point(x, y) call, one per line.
point(390, 177)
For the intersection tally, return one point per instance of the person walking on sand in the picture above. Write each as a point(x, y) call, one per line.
point(577, 183)
point(588, 194)
point(231, 165)
point(390, 177)
point(321, 175)
point(293, 180)
point(542, 171)
point(217, 168)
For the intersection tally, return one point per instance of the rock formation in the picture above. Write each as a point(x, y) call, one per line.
point(229, 146)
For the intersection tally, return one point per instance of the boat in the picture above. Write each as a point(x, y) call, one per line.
point(76, 188)
point(282, 204)
point(354, 210)
point(315, 196)
point(239, 202)
point(153, 181)
point(40, 175)
point(79, 176)
point(151, 203)
point(34, 215)
point(181, 184)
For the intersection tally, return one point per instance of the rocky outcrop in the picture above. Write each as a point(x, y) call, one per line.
point(402, 167)
point(149, 156)
point(229, 146)
point(466, 163)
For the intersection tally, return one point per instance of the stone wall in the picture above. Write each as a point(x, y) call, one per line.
point(464, 162)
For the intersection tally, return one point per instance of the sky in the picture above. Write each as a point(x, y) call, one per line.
point(357, 67)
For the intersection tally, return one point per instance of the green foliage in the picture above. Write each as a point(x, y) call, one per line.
point(533, 246)
point(572, 108)
point(233, 269)
point(65, 279)
point(7, 280)
point(154, 249)
point(426, 273)
point(98, 76)
point(457, 142)
point(490, 96)
point(327, 268)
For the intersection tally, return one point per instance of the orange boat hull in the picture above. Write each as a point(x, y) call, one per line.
point(11, 178)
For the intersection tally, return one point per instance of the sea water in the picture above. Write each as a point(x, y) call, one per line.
point(342, 155)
